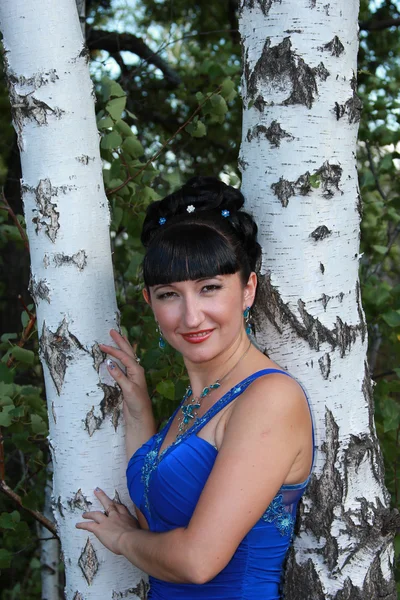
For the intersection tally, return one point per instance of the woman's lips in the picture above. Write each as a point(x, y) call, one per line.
point(197, 337)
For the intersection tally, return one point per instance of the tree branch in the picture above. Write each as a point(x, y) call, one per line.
point(35, 514)
point(114, 42)
point(379, 25)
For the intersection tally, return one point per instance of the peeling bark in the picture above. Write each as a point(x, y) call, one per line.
point(88, 562)
point(47, 216)
point(79, 502)
point(335, 47)
point(274, 133)
point(264, 5)
point(320, 233)
point(140, 591)
point(39, 290)
point(57, 349)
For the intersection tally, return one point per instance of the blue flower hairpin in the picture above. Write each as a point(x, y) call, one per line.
point(190, 208)
point(162, 220)
point(225, 213)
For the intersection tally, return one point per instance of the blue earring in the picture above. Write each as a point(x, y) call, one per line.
point(161, 342)
point(246, 316)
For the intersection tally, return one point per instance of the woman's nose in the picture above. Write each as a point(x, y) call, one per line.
point(193, 315)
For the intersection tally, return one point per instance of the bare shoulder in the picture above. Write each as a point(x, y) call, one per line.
point(273, 398)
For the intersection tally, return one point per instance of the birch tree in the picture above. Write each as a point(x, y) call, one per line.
point(298, 160)
point(67, 221)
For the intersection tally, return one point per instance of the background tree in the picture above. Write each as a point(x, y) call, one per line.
point(197, 44)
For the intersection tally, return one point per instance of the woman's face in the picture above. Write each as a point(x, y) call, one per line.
point(202, 318)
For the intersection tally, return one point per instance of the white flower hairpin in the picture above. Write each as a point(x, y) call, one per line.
point(190, 208)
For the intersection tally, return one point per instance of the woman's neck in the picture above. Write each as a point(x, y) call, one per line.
point(220, 367)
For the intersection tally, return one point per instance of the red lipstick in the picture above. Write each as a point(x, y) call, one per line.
point(197, 337)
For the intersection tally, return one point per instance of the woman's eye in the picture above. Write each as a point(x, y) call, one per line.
point(211, 288)
point(165, 295)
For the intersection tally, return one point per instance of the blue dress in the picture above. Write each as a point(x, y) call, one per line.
point(166, 488)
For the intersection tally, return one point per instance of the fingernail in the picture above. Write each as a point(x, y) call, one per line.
point(97, 489)
point(110, 364)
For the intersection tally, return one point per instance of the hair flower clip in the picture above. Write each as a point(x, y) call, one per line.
point(162, 220)
point(190, 208)
point(225, 213)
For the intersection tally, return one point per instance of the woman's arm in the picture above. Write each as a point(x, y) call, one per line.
point(137, 408)
point(268, 436)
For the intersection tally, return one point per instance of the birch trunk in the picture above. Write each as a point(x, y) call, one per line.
point(298, 160)
point(49, 547)
point(67, 219)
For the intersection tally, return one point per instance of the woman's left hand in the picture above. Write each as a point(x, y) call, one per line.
point(108, 526)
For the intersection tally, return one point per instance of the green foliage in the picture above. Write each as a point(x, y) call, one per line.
point(138, 111)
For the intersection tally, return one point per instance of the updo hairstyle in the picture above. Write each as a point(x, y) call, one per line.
point(183, 245)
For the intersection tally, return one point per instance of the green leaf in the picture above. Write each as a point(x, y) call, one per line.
point(166, 389)
point(379, 249)
point(8, 336)
point(9, 520)
point(38, 425)
point(22, 355)
point(105, 123)
point(111, 140)
point(228, 89)
point(124, 128)
point(219, 105)
point(133, 147)
point(196, 130)
point(131, 273)
point(5, 417)
point(115, 107)
point(392, 318)
point(5, 558)
point(24, 318)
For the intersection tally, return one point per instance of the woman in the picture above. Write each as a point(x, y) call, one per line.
point(216, 490)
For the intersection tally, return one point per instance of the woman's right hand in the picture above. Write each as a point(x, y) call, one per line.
point(137, 403)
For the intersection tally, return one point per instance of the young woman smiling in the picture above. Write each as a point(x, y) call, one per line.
point(216, 490)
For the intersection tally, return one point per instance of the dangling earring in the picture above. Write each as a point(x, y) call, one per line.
point(161, 342)
point(246, 315)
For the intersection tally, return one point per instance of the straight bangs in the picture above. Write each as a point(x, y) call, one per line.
point(187, 252)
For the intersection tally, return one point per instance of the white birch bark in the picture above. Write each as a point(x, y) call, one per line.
point(49, 547)
point(298, 160)
point(67, 220)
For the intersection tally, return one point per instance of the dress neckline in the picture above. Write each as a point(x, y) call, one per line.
point(225, 399)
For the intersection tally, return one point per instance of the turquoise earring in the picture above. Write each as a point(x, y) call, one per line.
point(161, 342)
point(246, 316)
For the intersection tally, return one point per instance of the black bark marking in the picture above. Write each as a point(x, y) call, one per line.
point(47, 215)
point(242, 164)
point(326, 8)
point(284, 190)
point(88, 562)
point(359, 206)
point(92, 422)
point(59, 506)
point(325, 365)
point(322, 268)
point(321, 233)
point(321, 71)
point(98, 356)
point(325, 299)
point(264, 5)
point(374, 586)
point(274, 133)
point(57, 349)
point(39, 290)
point(79, 502)
point(302, 582)
point(111, 403)
point(85, 159)
point(25, 107)
point(53, 412)
point(140, 591)
point(280, 66)
point(352, 107)
point(335, 46)
point(327, 493)
point(78, 259)
point(313, 3)
point(308, 328)
point(78, 596)
point(361, 312)
point(330, 176)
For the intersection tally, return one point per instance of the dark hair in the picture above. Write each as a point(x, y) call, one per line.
point(203, 243)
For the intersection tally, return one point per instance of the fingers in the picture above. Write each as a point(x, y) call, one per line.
point(122, 342)
point(109, 505)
